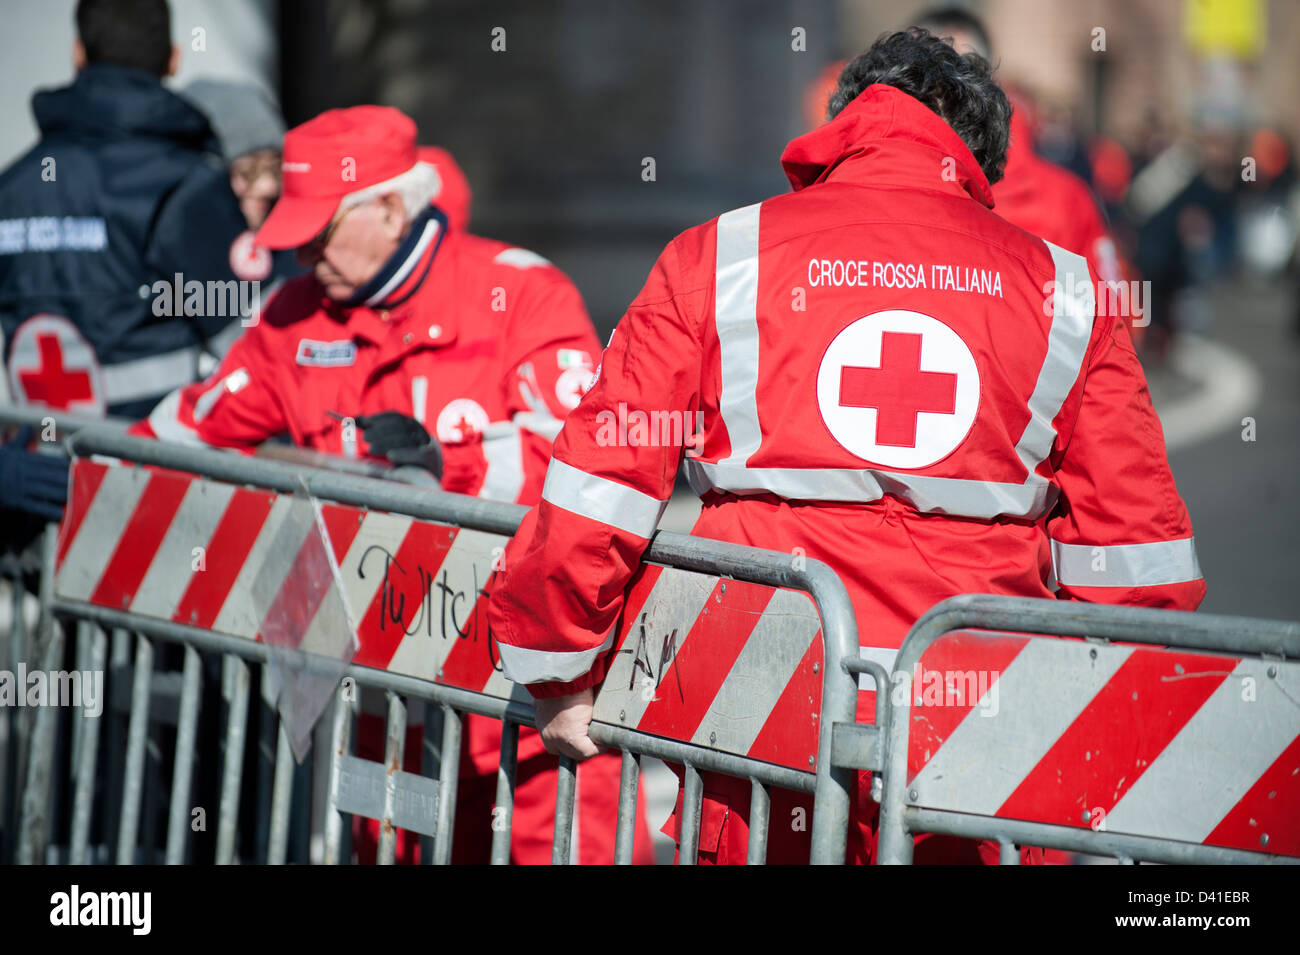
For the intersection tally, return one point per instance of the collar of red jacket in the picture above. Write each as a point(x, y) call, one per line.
point(885, 137)
point(389, 298)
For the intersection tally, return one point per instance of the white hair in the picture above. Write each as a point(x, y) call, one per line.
point(417, 187)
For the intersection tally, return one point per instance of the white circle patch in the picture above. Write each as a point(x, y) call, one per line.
point(460, 421)
point(572, 384)
point(52, 364)
point(248, 260)
point(899, 389)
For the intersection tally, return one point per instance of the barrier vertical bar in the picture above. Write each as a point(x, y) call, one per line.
point(133, 774)
point(84, 794)
point(340, 747)
point(232, 764)
point(394, 745)
point(34, 830)
point(504, 811)
point(759, 820)
point(268, 725)
point(277, 841)
point(431, 766)
point(692, 799)
point(183, 765)
point(448, 775)
point(15, 734)
point(629, 783)
point(566, 786)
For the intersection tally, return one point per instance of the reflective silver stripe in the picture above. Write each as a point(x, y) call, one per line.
point(1126, 565)
point(505, 466)
point(544, 425)
point(548, 666)
point(736, 320)
point(602, 499)
point(151, 376)
point(166, 423)
point(933, 495)
point(1067, 343)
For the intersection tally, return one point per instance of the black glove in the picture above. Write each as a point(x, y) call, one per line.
point(32, 482)
point(402, 440)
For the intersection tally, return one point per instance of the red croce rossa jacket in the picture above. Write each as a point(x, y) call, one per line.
point(487, 345)
point(890, 379)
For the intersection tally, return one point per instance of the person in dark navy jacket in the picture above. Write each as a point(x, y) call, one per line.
point(116, 229)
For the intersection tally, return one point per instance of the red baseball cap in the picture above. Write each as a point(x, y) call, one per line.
point(326, 158)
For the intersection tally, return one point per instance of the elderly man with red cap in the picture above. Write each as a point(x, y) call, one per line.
point(422, 344)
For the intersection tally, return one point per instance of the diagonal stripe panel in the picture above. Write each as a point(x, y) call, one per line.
point(1106, 750)
point(760, 674)
point(105, 519)
point(85, 476)
point(950, 662)
point(238, 616)
point(1267, 818)
point(628, 687)
point(686, 676)
point(367, 575)
point(789, 736)
point(408, 603)
point(458, 649)
point(176, 559)
point(227, 551)
point(999, 743)
point(1216, 758)
point(136, 548)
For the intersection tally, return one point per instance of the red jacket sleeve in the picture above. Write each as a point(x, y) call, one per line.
point(235, 407)
point(1121, 533)
point(555, 610)
point(551, 359)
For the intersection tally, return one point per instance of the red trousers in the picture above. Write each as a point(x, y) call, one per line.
point(724, 828)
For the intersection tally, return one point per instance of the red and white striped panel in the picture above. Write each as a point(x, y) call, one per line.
point(680, 630)
point(133, 537)
point(1169, 744)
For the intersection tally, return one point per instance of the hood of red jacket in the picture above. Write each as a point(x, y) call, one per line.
point(886, 137)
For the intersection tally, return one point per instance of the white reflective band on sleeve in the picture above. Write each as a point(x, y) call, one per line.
point(1073, 304)
point(236, 381)
point(147, 377)
point(736, 320)
point(166, 423)
point(503, 450)
point(1126, 565)
point(548, 666)
point(931, 495)
point(602, 500)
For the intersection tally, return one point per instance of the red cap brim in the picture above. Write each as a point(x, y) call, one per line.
point(296, 220)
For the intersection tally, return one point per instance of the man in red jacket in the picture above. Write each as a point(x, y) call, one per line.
point(425, 345)
point(883, 385)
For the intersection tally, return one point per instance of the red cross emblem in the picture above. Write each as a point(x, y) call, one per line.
point(51, 364)
point(460, 420)
point(898, 389)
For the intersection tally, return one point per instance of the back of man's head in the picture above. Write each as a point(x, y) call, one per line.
point(134, 33)
point(958, 88)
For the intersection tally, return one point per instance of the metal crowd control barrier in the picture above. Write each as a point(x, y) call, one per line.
point(1182, 749)
point(123, 564)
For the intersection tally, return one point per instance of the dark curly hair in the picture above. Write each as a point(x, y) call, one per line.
point(960, 89)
